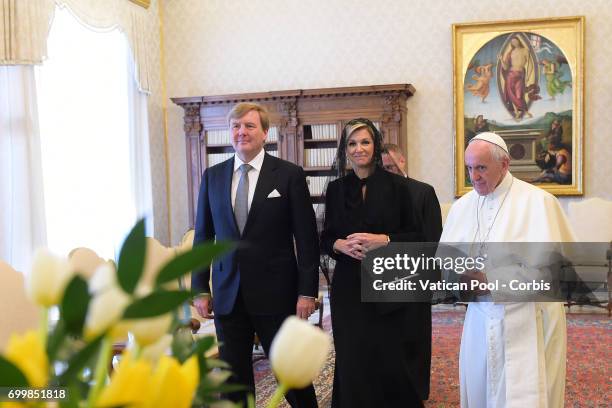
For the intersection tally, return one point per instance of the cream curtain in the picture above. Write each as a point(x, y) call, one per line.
point(22, 219)
point(129, 18)
point(140, 159)
point(24, 27)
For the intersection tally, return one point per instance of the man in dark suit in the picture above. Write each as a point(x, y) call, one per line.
point(394, 160)
point(263, 203)
point(427, 213)
point(427, 219)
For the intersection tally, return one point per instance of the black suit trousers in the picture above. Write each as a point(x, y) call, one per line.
point(235, 332)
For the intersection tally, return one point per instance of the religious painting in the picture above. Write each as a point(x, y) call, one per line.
point(524, 81)
point(143, 3)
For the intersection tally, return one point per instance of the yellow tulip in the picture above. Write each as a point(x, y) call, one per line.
point(130, 384)
point(28, 353)
point(298, 352)
point(154, 351)
point(48, 278)
point(135, 384)
point(21, 404)
point(174, 385)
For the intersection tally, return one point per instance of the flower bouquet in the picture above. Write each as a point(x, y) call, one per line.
point(67, 365)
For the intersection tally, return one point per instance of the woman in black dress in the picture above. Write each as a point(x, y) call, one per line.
point(382, 349)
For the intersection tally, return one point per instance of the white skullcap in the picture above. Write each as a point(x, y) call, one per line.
point(491, 138)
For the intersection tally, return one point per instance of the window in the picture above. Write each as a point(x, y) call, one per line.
point(83, 96)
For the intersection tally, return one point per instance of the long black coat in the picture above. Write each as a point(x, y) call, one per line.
point(383, 351)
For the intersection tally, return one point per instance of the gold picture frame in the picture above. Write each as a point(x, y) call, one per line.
point(142, 3)
point(523, 80)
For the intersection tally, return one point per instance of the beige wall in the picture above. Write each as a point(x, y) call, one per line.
point(156, 129)
point(219, 47)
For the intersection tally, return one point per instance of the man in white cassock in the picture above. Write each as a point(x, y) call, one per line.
point(512, 354)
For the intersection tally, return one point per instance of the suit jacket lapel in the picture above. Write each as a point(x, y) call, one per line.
point(226, 194)
point(265, 184)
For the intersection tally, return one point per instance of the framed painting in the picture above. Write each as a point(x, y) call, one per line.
point(523, 80)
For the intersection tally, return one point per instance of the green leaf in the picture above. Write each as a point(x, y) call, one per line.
point(132, 258)
point(74, 395)
point(55, 339)
point(208, 389)
point(182, 342)
point(203, 345)
point(218, 376)
point(198, 257)
point(74, 305)
point(156, 304)
point(79, 360)
point(10, 375)
point(224, 388)
point(216, 363)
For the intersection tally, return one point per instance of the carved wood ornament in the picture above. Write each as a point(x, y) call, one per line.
point(292, 112)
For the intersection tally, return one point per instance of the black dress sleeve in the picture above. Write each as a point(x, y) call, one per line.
point(330, 233)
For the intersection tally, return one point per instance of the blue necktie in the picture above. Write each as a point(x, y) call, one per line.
point(241, 205)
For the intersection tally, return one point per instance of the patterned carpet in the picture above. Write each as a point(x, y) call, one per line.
point(265, 383)
point(589, 363)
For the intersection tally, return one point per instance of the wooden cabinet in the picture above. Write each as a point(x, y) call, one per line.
point(305, 126)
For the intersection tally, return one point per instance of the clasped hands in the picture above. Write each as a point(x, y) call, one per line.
point(358, 244)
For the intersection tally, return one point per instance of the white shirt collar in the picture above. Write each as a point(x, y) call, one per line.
point(257, 161)
point(502, 188)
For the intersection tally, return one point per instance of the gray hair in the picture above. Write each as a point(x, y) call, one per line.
point(498, 153)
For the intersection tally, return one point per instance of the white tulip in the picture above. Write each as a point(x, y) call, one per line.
point(48, 278)
point(148, 331)
point(156, 257)
point(105, 309)
point(298, 352)
point(104, 278)
point(143, 290)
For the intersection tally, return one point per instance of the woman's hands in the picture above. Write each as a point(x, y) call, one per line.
point(357, 245)
point(345, 247)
